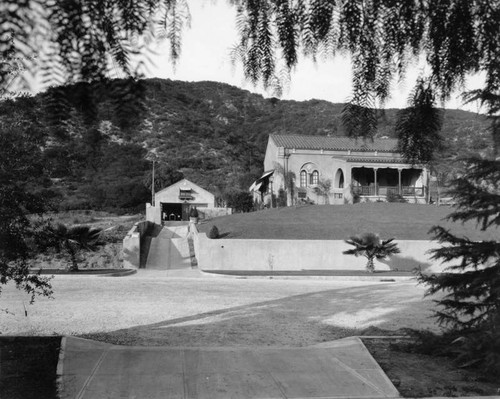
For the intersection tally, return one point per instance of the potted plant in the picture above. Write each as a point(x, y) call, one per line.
point(193, 215)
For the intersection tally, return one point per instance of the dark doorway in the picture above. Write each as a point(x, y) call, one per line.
point(171, 211)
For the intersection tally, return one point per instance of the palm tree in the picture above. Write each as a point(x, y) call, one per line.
point(73, 239)
point(371, 246)
point(288, 182)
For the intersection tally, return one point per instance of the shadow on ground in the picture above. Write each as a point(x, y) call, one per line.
point(405, 263)
point(297, 320)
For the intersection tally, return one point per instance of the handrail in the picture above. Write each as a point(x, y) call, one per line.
point(384, 190)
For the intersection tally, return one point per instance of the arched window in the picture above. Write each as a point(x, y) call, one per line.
point(339, 179)
point(303, 178)
point(314, 178)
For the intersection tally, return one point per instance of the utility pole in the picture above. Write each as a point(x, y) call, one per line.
point(152, 156)
point(153, 185)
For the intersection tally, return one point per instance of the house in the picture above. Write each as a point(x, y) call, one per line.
point(174, 203)
point(357, 170)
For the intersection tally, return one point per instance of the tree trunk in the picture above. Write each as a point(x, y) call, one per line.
point(370, 267)
point(72, 254)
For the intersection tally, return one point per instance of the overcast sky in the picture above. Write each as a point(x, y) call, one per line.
point(205, 56)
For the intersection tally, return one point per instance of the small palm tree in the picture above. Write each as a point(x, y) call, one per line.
point(73, 239)
point(371, 246)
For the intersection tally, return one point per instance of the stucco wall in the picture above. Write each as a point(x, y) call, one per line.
point(327, 163)
point(228, 254)
point(201, 197)
point(153, 213)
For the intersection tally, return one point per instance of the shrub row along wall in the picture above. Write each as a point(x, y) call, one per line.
point(229, 254)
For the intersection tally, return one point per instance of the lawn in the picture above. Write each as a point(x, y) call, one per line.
point(338, 222)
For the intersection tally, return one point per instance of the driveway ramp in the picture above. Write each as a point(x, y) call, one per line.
point(169, 250)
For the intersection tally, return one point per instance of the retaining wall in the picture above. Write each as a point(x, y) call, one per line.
point(132, 244)
point(229, 254)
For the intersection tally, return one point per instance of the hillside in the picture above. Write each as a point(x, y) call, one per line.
point(211, 133)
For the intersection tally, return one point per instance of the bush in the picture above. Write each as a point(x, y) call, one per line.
point(356, 197)
point(281, 200)
point(394, 197)
point(240, 201)
point(213, 233)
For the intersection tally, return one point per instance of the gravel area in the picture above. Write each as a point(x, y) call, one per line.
point(151, 309)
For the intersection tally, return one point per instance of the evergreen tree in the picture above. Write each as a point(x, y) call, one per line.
point(470, 307)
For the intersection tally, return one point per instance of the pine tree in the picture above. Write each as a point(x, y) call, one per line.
point(470, 307)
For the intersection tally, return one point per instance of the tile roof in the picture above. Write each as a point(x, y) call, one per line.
point(334, 143)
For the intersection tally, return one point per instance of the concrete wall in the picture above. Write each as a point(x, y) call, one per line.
point(132, 244)
point(228, 254)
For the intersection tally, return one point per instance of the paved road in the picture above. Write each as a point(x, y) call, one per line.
point(214, 311)
point(339, 369)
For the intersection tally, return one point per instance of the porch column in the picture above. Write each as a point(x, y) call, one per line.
point(399, 181)
point(376, 184)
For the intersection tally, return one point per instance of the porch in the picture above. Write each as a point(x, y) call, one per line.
point(380, 182)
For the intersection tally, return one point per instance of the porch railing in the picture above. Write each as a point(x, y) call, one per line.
point(406, 191)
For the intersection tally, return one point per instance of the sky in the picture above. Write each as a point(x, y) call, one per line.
point(205, 56)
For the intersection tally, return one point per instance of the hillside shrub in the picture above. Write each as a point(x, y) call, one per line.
point(213, 233)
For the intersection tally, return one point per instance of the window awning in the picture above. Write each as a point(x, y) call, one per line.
point(266, 174)
point(255, 186)
point(263, 180)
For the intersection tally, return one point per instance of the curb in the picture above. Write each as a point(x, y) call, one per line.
point(377, 279)
point(60, 363)
point(123, 273)
point(117, 273)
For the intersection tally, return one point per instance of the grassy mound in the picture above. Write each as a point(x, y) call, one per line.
point(338, 222)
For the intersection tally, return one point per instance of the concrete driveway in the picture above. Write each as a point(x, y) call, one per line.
point(339, 369)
